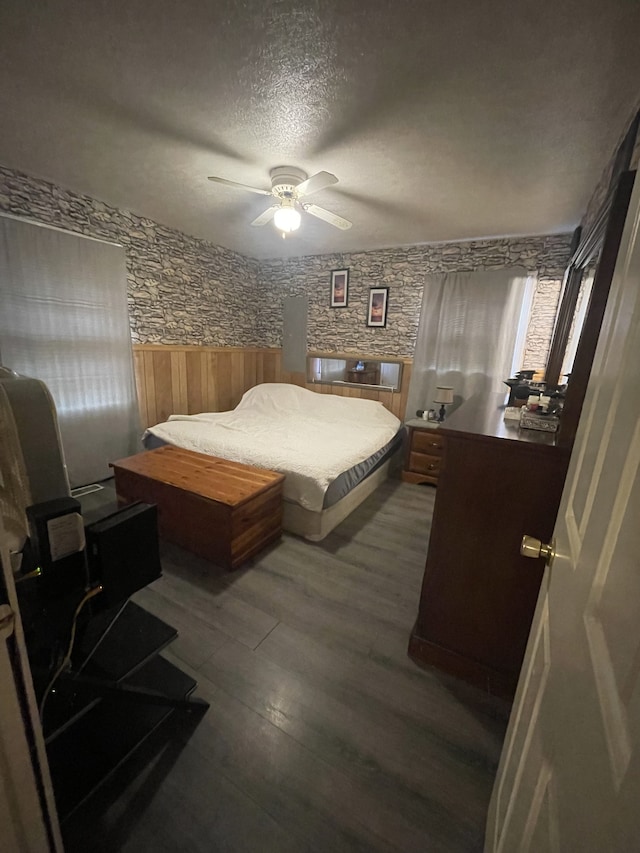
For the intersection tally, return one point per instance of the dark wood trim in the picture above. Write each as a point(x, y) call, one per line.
point(418, 479)
point(424, 652)
point(595, 313)
point(625, 151)
point(590, 245)
point(479, 593)
point(584, 250)
point(576, 238)
point(562, 328)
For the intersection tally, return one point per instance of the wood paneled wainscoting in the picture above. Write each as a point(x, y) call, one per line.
point(191, 379)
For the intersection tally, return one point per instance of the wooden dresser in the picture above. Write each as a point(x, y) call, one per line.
point(424, 452)
point(497, 482)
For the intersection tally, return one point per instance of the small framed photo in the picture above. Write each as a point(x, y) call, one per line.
point(339, 288)
point(377, 311)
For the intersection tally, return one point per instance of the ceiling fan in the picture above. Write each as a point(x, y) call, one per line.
point(289, 186)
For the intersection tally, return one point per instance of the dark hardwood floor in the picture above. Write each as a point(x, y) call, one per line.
point(322, 735)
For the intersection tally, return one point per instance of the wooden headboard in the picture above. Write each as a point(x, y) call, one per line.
point(191, 379)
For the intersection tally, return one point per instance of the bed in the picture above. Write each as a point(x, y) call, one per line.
point(334, 451)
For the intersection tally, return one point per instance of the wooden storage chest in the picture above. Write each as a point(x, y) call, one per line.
point(224, 511)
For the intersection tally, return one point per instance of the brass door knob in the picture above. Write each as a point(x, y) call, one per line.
point(534, 548)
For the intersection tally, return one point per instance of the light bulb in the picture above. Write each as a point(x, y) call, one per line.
point(287, 219)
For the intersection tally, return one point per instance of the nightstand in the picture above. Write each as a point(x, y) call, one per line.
point(424, 452)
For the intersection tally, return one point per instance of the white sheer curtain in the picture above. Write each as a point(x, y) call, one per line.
point(469, 327)
point(64, 320)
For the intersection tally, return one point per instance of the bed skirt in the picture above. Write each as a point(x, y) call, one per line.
point(316, 525)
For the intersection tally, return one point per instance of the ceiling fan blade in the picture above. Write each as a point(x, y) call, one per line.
point(316, 182)
point(327, 216)
point(238, 186)
point(266, 216)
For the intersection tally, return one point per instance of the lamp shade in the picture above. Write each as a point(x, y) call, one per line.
point(443, 394)
point(287, 219)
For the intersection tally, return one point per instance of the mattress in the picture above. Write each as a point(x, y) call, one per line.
point(324, 444)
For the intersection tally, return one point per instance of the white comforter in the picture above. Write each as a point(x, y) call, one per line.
point(312, 438)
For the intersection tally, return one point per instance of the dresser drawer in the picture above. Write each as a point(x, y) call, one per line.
point(422, 463)
point(426, 441)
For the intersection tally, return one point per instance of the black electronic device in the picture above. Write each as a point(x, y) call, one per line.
point(123, 552)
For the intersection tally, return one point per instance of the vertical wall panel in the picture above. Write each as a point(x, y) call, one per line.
point(271, 365)
point(211, 368)
point(177, 379)
point(195, 400)
point(150, 385)
point(141, 386)
point(179, 382)
point(224, 382)
point(260, 357)
point(162, 378)
point(250, 370)
point(237, 377)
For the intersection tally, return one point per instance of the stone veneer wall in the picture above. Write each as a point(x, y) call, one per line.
point(403, 271)
point(182, 290)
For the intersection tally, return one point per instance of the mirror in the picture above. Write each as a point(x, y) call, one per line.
point(572, 312)
point(351, 370)
point(597, 253)
point(579, 315)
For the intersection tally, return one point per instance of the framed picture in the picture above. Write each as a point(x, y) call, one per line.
point(339, 288)
point(377, 311)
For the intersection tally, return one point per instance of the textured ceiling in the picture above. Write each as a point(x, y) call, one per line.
point(442, 121)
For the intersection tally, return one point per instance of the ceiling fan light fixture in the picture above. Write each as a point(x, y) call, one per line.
point(288, 186)
point(287, 219)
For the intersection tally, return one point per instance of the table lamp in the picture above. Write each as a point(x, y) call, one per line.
point(444, 395)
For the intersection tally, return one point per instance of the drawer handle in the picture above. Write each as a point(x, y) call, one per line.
point(431, 467)
point(435, 444)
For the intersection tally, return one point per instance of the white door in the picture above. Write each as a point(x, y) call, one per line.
point(569, 776)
